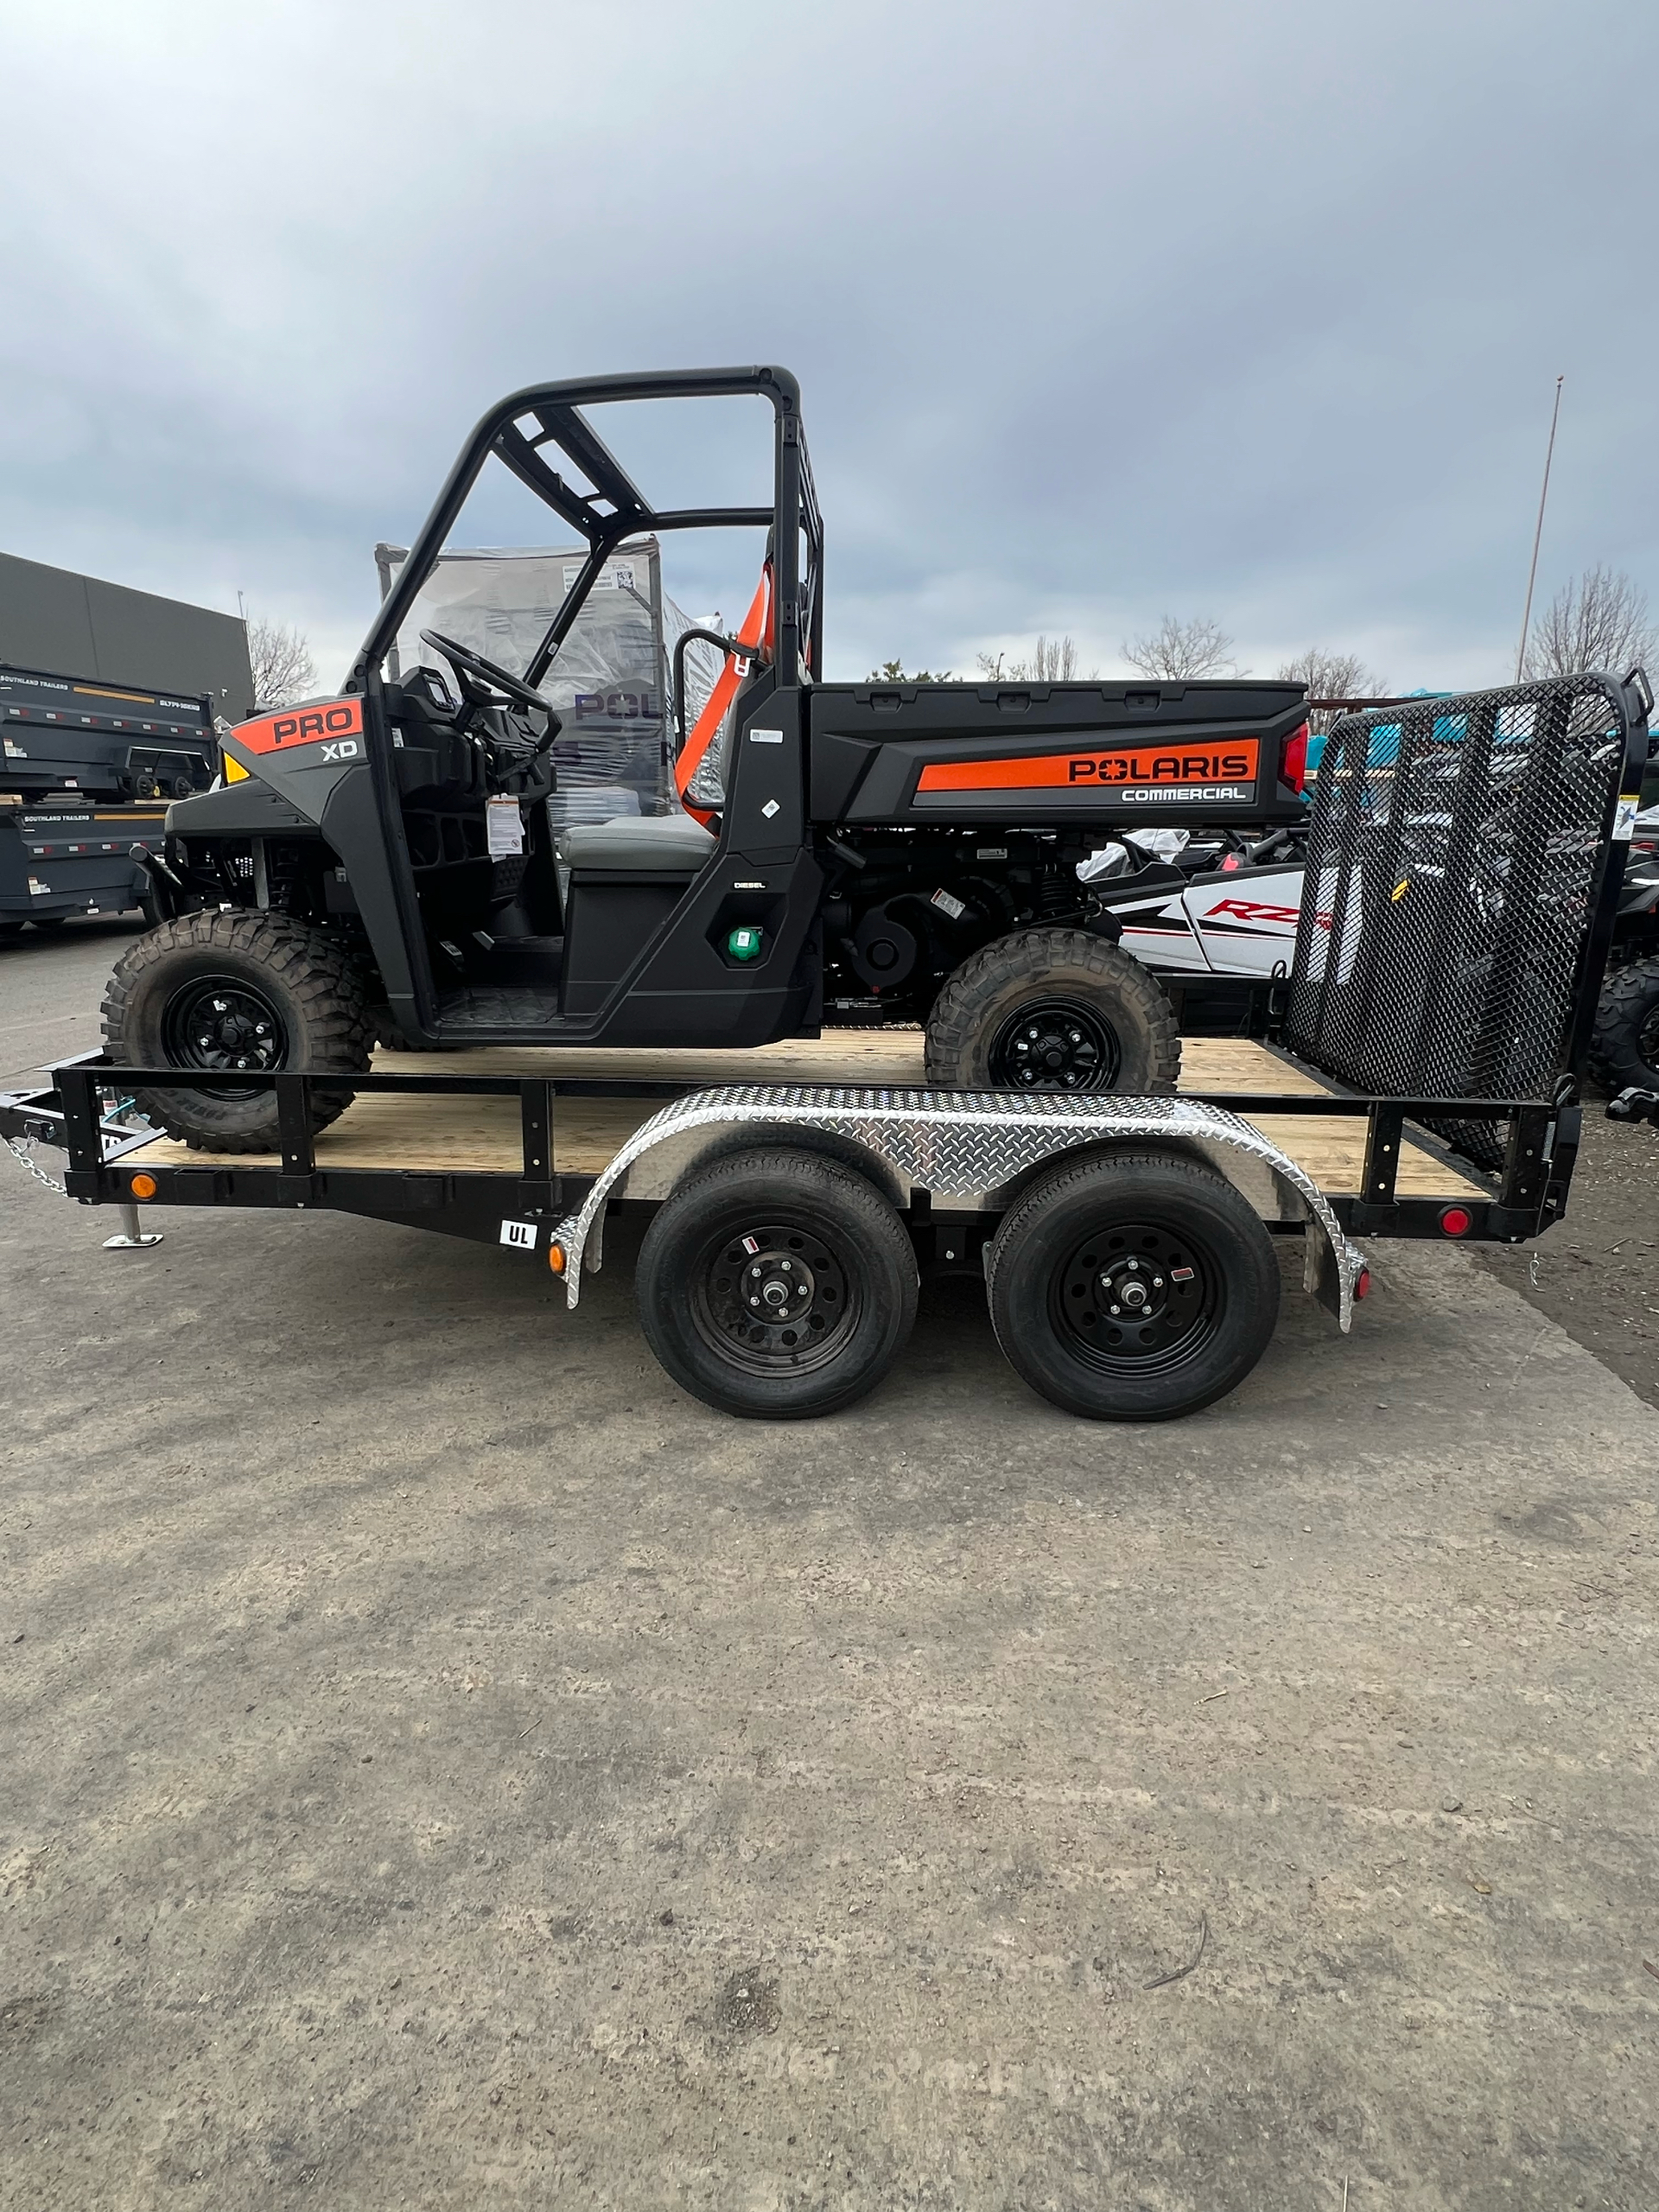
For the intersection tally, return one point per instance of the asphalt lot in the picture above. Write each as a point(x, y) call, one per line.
point(441, 1764)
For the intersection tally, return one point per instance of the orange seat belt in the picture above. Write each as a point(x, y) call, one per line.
point(754, 627)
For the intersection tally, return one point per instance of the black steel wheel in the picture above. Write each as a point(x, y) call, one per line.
point(776, 1284)
point(775, 1297)
point(224, 1022)
point(1053, 1010)
point(1133, 1286)
point(1056, 1044)
point(236, 995)
point(1136, 1297)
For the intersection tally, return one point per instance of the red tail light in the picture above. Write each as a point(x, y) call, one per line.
point(1456, 1221)
point(1363, 1283)
point(1293, 761)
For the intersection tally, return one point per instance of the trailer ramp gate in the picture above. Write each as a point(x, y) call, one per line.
point(1461, 855)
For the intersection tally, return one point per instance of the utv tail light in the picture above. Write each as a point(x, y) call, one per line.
point(1456, 1221)
point(1292, 761)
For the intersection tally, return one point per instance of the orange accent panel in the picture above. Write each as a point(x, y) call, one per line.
point(301, 726)
point(1090, 769)
point(756, 625)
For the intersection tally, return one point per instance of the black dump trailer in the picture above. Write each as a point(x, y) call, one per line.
point(1417, 1075)
point(87, 770)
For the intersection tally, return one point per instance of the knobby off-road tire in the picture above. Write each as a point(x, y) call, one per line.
point(777, 1285)
point(234, 991)
point(1133, 1286)
point(1624, 1045)
point(1053, 1010)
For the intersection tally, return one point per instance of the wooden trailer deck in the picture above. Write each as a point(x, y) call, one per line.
point(438, 1134)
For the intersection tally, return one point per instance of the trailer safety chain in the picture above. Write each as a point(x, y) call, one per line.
point(21, 1150)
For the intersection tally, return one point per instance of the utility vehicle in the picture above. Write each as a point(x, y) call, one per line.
point(385, 863)
point(1457, 905)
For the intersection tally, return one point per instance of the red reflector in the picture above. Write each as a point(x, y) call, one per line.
point(1456, 1221)
point(1293, 761)
point(1363, 1283)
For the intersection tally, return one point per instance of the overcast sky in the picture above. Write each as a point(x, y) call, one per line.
point(1246, 311)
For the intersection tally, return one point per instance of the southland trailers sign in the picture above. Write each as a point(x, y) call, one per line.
point(609, 682)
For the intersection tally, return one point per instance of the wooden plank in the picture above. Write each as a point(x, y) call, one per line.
point(433, 1134)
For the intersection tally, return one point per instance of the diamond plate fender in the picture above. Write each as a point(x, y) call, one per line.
point(964, 1144)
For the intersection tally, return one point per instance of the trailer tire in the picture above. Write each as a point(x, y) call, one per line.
point(811, 1238)
point(1625, 1045)
point(1053, 1010)
point(1133, 1286)
point(189, 993)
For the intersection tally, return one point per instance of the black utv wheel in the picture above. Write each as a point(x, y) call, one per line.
point(1133, 1286)
point(1053, 1010)
point(1624, 1048)
point(234, 993)
point(777, 1285)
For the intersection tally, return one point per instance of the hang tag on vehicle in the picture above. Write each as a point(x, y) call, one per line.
point(506, 828)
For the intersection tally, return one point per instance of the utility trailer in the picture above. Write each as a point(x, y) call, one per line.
point(87, 770)
point(1416, 1075)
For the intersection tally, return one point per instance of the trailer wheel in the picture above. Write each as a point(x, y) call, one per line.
point(230, 992)
point(1053, 1010)
point(1133, 1286)
point(777, 1285)
point(1624, 1047)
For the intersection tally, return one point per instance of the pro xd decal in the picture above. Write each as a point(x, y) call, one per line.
point(335, 728)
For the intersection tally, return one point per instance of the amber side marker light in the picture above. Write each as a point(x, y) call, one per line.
point(1456, 1221)
point(143, 1187)
point(555, 1258)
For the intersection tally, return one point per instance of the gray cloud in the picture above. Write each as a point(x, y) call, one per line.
point(1099, 309)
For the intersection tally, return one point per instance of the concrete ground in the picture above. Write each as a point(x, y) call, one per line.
point(441, 1764)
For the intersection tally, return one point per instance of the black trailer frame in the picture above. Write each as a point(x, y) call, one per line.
point(74, 1113)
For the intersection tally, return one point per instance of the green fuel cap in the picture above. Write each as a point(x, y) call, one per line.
point(744, 944)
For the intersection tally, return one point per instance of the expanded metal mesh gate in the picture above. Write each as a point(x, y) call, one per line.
point(1455, 853)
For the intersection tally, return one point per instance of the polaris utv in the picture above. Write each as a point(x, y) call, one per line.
point(385, 863)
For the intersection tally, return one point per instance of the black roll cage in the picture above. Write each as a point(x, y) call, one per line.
point(520, 429)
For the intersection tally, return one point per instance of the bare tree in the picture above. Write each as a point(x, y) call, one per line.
point(1330, 676)
point(1198, 648)
point(1600, 622)
point(283, 669)
point(892, 671)
point(1053, 661)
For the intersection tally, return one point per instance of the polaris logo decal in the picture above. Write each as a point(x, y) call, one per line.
point(1133, 772)
point(328, 724)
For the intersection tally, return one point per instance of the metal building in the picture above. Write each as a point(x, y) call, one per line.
point(80, 626)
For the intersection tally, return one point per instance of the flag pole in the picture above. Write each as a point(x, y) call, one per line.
point(1537, 535)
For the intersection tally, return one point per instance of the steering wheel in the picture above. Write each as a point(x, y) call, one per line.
point(465, 663)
